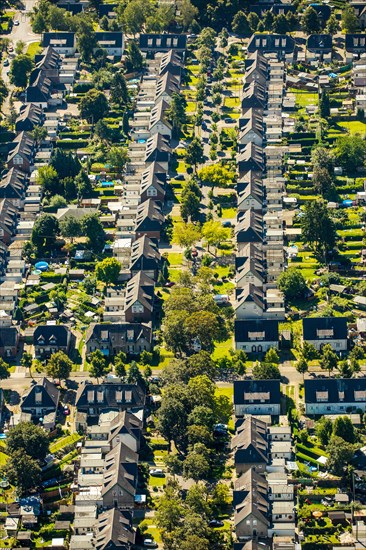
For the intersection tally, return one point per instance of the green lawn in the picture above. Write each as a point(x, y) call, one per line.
point(155, 481)
point(228, 392)
point(63, 442)
point(232, 102)
point(175, 258)
point(305, 98)
point(3, 458)
point(191, 106)
point(222, 348)
point(229, 213)
point(354, 126)
point(33, 49)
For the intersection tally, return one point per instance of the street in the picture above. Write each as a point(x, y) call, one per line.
point(22, 32)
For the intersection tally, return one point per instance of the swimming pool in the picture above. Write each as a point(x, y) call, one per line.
point(141, 140)
point(2, 436)
point(106, 183)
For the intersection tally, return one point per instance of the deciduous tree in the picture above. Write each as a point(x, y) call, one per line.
point(59, 366)
point(20, 69)
point(93, 105)
point(28, 438)
point(23, 471)
point(108, 270)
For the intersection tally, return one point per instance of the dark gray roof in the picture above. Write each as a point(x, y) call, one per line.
point(8, 337)
point(163, 42)
point(243, 329)
point(356, 43)
point(339, 390)
point(271, 43)
point(50, 39)
point(114, 530)
point(117, 395)
point(320, 42)
point(145, 255)
point(115, 37)
point(337, 325)
point(48, 390)
point(257, 386)
point(51, 334)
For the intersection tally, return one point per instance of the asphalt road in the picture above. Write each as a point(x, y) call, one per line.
point(22, 32)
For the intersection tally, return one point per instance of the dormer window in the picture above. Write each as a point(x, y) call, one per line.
point(53, 340)
point(130, 335)
point(137, 307)
point(38, 395)
point(321, 396)
point(41, 341)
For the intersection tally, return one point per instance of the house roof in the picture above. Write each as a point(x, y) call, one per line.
point(256, 331)
point(40, 86)
point(251, 156)
point(253, 189)
point(158, 115)
point(49, 59)
point(30, 112)
point(51, 335)
point(9, 337)
point(114, 530)
point(167, 84)
point(255, 391)
point(8, 215)
point(250, 293)
point(251, 481)
point(49, 396)
point(117, 472)
point(13, 184)
point(157, 149)
point(249, 227)
point(145, 255)
point(113, 394)
point(155, 176)
point(250, 443)
point(254, 95)
point(163, 42)
point(320, 42)
point(335, 390)
point(271, 43)
point(149, 216)
point(126, 422)
point(170, 62)
point(356, 43)
point(324, 328)
point(106, 9)
point(251, 121)
point(140, 288)
point(109, 39)
point(58, 39)
point(22, 144)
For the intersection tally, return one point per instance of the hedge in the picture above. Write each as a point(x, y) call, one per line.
point(72, 144)
point(306, 458)
point(52, 277)
point(74, 135)
point(310, 450)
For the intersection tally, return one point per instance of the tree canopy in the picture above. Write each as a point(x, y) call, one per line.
point(28, 438)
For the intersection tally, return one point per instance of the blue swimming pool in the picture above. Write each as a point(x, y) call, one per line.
point(106, 183)
point(2, 436)
point(141, 141)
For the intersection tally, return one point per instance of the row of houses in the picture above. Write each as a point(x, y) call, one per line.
point(259, 228)
point(323, 396)
point(105, 484)
point(263, 498)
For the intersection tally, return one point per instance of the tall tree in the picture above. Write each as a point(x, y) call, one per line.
point(20, 69)
point(350, 23)
point(310, 21)
point(119, 92)
point(93, 229)
point(93, 105)
point(45, 231)
point(177, 112)
point(134, 61)
point(59, 366)
point(23, 471)
point(329, 359)
point(340, 455)
point(118, 157)
point(28, 438)
point(86, 40)
point(318, 229)
point(70, 227)
point(351, 152)
point(292, 283)
point(108, 270)
point(98, 365)
point(240, 24)
point(324, 104)
point(4, 370)
point(194, 153)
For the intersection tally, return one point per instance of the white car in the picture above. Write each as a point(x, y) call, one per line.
point(157, 472)
point(150, 543)
point(16, 22)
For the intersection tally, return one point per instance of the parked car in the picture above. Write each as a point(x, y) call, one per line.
point(66, 411)
point(6, 62)
point(179, 177)
point(150, 543)
point(226, 224)
point(10, 49)
point(16, 22)
point(229, 120)
point(157, 472)
point(169, 284)
point(216, 523)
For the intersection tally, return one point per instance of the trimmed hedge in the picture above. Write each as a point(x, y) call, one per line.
point(73, 144)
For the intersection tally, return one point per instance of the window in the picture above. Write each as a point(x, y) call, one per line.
point(152, 192)
point(158, 42)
